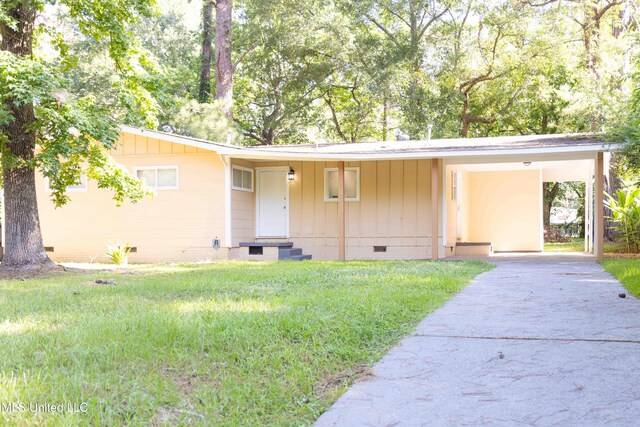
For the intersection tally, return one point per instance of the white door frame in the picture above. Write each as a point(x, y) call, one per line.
point(286, 182)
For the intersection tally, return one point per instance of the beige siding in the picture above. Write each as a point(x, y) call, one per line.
point(175, 225)
point(243, 220)
point(505, 208)
point(393, 210)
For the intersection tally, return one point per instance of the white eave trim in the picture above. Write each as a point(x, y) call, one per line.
point(570, 151)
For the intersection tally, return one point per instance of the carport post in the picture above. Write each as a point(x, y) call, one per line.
point(588, 216)
point(599, 208)
point(341, 227)
point(435, 172)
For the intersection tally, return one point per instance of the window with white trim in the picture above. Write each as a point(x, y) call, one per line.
point(80, 187)
point(158, 177)
point(242, 178)
point(351, 184)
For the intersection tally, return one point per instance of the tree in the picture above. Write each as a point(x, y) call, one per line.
point(282, 75)
point(67, 132)
point(205, 67)
point(409, 27)
point(225, 68)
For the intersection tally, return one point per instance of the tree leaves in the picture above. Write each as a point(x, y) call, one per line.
point(73, 133)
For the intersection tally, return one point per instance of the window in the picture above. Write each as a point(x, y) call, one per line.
point(80, 187)
point(351, 184)
point(454, 186)
point(242, 178)
point(158, 177)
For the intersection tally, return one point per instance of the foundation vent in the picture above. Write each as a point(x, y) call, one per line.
point(379, 249)
point(255, 250)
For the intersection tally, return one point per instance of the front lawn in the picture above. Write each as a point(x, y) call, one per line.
point(627, 271)
point(229, 343)
point(575, 245)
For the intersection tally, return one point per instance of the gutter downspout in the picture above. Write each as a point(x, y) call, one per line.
point(227, 200)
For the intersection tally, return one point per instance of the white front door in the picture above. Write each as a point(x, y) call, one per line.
point(272, 203)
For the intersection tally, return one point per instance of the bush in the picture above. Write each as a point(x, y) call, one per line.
point(555, 234)
point(625, 213)
point(118, 252)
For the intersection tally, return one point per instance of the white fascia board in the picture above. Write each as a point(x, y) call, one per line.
point(456, 156)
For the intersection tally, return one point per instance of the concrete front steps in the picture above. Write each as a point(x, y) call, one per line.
point(271, 251)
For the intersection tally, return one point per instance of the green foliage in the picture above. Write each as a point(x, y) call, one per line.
point(289, 47)
point(205, 121)
point(118, 252)
point(73, 133)
point(309, 70)
point(75, 128)
point(625, 212)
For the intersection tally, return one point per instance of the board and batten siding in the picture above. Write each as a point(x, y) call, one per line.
point(393, 211)
point(243, 209)
point(175, 225)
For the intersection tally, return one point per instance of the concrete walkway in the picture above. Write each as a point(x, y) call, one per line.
point(537, 341)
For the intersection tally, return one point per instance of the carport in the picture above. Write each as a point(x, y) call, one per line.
point(493, 203)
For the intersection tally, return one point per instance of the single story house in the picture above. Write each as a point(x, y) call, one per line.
point(381, 200)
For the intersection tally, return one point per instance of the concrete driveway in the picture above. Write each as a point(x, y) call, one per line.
point(537, 341)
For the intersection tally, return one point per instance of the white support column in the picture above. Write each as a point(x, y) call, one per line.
point(587, 213)
point(599, 207)
point(435, 209)
point(227, 200)
point(341, 214)
point(443, 203)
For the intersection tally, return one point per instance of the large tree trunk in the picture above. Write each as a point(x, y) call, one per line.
point(205, 67)
point(224, 66)
point(550, 192)
point(23, 245)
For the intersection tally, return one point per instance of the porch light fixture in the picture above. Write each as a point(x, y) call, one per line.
point(216, 243)
point(527, 164)
point(291, 175)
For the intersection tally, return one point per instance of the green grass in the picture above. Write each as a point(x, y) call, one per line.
point(575, 245)
point(230, 343)
point(627, 271)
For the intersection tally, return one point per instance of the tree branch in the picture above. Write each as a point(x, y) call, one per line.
point(384, 30)
point(431, 21)
point(598, 16)
point(334, 118)
point(466, 87)
point(397, 15)
point(243, 54)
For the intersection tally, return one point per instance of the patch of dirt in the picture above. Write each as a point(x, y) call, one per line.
point(621, 255)
point(187, 413)
point(187, 382)
point(9, 273)
point(166, 416)
point(360, 372)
